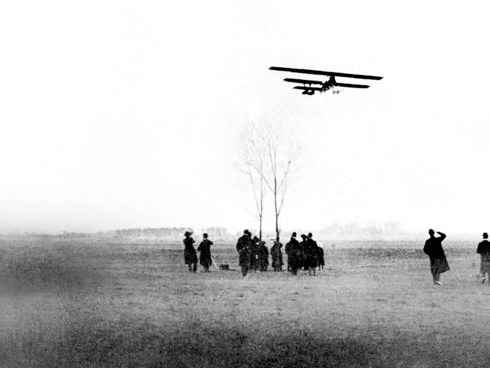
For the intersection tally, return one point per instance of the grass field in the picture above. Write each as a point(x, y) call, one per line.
point(81, 304)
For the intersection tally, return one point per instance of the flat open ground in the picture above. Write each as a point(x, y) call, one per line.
point(93, 304)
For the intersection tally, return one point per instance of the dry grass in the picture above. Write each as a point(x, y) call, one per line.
point(129, 305)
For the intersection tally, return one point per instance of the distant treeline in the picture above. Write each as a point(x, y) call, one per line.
point(160, 233)
point(170, 233)
point(338, 231)
point(369, 230)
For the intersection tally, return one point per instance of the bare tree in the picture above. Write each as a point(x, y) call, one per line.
point(256, 168)
point(282, 152)
point(268, 154)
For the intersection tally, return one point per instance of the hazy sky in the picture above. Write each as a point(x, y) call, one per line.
point(127, 113)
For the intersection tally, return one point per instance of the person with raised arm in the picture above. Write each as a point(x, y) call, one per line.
point(438, 261)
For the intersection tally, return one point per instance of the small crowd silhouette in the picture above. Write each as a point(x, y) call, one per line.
point(253, 254)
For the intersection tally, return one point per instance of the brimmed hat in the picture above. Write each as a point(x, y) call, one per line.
point(188, 233)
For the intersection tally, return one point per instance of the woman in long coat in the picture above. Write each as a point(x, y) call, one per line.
point(321, 258)
point(243, 248)
point(311, 251)
point(205, 252)
point(276, 254)
point(190, 255)
point(295, 255)
point(263, 256)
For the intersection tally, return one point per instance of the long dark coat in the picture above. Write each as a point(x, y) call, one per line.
point(244, 252)
point(205, 253)
point(295, 259)
point(190, 255)
point(263, 257)
point(276, 254)
point(311, 252)
point(321, 257)
point(438, 261)
point(303, 246)
point(254, 254)
point(484, 250)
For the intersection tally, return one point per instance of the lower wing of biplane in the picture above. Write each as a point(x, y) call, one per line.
point(309, 87)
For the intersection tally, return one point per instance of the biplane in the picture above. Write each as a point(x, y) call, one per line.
point(309, 87)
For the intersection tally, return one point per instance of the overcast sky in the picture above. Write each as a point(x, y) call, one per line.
point(127, 113)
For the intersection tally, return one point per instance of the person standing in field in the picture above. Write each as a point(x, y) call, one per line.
point(190, 255)
point(483, 250)
point(321, 258)
point(205, 252)
point(254, 254)
point(276, 254)
point(438, 261)
point(244, 252)
point(288, 254)
point(303, 247)
point(294, 254)
point(263, 256)
point(311, 254)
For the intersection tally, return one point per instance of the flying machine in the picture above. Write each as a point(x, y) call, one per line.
point(309, 87)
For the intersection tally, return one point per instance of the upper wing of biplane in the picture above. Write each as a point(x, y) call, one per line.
point(319, 72)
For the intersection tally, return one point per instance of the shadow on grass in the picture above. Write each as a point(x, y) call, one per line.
point(96, 343)
point(52, 266)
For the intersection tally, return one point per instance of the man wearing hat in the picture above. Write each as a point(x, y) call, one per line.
point(311, 254)
point(438, 261)
point(276, 254)
point(190, 255)
point(243, 248)
point(205, 252)
point(293, 251)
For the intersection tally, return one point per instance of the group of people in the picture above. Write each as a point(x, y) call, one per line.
point(253, 254)
point(190, 255)
point(439, 264)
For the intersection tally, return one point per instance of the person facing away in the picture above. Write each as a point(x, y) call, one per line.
point(205, 252)
point(190, 255)
point(244, 252)
point(483, 250)
point(438, 261)
point(276, 254)
point(321, 258)
point(263, 256)
point(287, 249)
point(293, 251)
point(311, 251)
point(254, 254)
point(303, 246)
